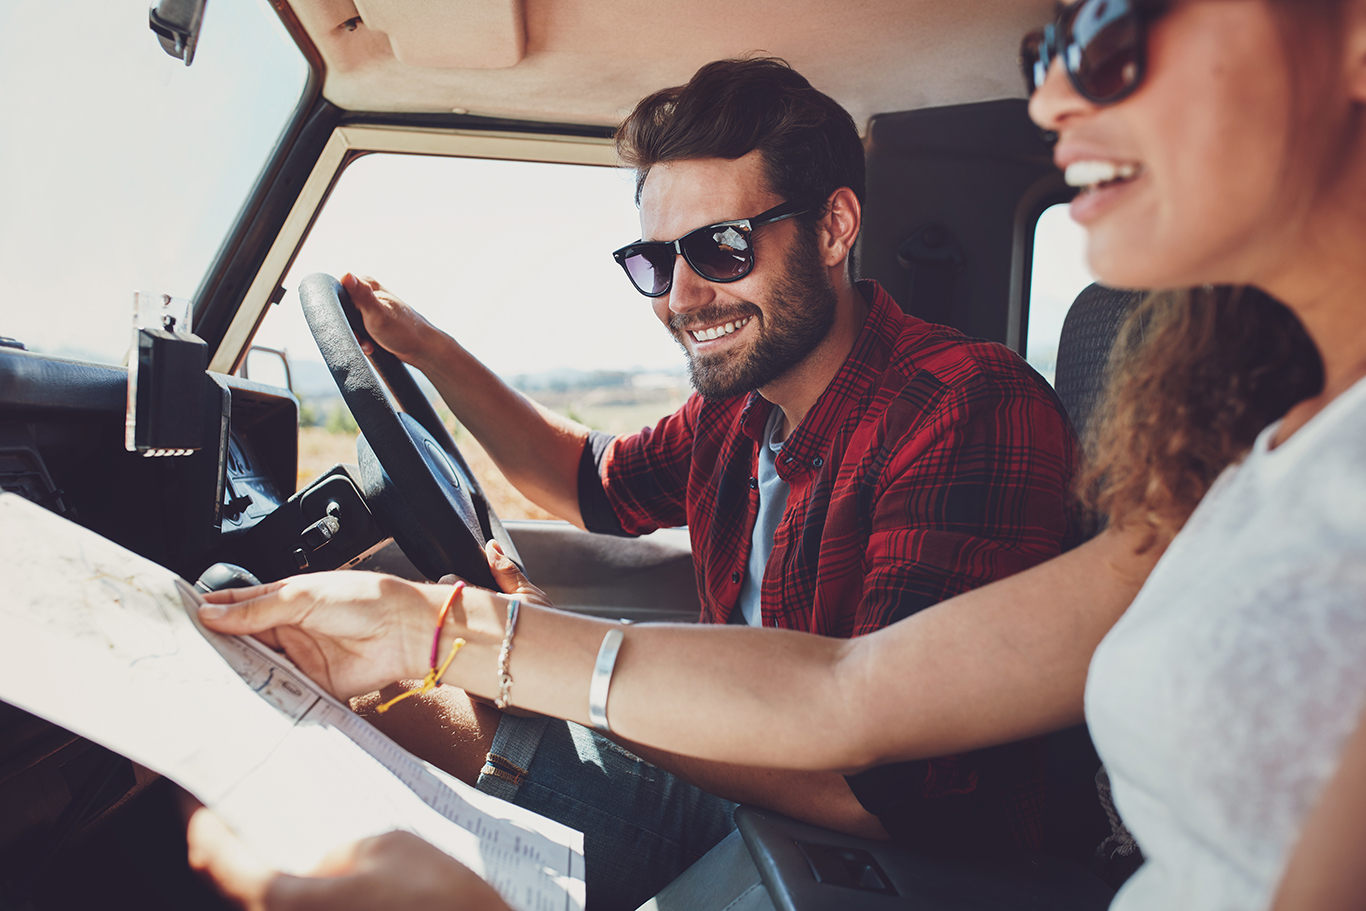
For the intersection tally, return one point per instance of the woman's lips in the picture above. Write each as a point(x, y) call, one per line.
point(1102, 184)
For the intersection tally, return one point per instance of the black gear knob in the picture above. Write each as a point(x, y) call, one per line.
point(225, 575)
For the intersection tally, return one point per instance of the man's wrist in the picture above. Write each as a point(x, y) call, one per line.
point(435, 350)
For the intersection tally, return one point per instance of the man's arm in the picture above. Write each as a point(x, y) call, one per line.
point(535, 448)
point(820, 798)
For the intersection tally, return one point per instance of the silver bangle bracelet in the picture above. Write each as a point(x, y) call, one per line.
point(504, 656)
point(601, 682)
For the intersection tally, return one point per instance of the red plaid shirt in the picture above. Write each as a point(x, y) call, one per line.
point(932, 464)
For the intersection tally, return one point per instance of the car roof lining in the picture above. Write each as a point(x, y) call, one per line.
point(590, 61)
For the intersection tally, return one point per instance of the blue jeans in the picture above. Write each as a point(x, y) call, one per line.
point(641, 826)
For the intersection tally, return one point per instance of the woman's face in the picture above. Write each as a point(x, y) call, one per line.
point(1205, 138)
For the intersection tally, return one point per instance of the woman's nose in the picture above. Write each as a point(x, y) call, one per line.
point(1056, 101)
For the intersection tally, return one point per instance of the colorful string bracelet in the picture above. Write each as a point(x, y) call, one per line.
point(434, 675)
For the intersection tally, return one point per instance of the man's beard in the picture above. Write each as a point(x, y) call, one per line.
point(800, 312)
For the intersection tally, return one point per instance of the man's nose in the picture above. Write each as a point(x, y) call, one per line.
point(689, 290)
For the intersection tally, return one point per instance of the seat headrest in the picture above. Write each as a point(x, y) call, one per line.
point(1088, 333)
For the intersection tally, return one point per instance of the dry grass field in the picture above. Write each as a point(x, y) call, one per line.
point(320, 449)
point(613, 410)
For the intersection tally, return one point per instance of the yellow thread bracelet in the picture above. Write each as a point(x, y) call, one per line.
point(435, 674)
point(430, 681)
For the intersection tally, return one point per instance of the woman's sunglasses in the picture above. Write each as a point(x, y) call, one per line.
point(719, 253)
point(1102, 45)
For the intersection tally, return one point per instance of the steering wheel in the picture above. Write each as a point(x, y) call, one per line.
point(414, 476)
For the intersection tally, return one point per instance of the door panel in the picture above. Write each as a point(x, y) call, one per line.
point(645, 578)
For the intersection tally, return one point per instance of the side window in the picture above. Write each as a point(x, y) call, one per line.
point(513, 259)
point(1059, 275)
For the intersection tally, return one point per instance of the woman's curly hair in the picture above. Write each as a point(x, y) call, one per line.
point(1198, 373)
point(1192, 380)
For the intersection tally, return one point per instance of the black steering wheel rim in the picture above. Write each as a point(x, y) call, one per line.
point(437, 513)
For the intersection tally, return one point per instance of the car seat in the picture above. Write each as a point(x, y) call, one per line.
point(1088, 334)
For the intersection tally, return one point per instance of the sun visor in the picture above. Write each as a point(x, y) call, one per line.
point(427, 34)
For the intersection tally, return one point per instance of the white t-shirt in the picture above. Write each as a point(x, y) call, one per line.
point(1222, 699)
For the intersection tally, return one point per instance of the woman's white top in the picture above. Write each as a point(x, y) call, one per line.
point(1222, 699)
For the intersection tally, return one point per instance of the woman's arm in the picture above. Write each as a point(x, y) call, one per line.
point(997, 664)
point(1325, 871)
point(994, 665)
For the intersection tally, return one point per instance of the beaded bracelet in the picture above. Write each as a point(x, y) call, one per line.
point(434, 675)
point(505, 678)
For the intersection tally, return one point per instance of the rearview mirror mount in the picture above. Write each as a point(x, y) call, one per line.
point(176, 23)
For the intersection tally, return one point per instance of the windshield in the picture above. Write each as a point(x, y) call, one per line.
point(121, 169)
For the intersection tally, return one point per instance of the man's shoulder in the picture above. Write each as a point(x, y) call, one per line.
point(940, 354)
point(697, 408)
point(698, 420)
point(715, 412)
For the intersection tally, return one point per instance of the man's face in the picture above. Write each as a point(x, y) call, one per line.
point(742, 335)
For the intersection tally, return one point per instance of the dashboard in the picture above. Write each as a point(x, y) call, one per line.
point(69, 807)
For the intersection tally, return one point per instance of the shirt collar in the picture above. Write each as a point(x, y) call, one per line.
point(806, 447)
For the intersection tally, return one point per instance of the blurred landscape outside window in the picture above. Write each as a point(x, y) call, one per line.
point(513, 259)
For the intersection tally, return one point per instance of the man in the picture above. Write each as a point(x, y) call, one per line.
point(841, 466)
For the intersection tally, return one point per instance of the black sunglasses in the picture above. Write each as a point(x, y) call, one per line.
point(1102, 45)
point(719, 253)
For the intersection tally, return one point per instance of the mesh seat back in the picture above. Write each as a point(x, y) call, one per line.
point(1088, 334)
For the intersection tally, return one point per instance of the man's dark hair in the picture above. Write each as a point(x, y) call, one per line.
point(729, 108)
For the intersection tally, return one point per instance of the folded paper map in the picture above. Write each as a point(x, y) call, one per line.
point(107, 645)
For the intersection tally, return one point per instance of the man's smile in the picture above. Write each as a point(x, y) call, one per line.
point(719, 330)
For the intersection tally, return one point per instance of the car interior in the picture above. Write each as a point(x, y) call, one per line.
point(958, 177)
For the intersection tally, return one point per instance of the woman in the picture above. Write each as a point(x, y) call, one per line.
point(1226, 702)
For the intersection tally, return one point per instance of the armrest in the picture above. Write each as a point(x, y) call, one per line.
point(806, 868)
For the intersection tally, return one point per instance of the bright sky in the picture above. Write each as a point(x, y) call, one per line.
point(512, 258)
point(1059, 275)
point(121, 169)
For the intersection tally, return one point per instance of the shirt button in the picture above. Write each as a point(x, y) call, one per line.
point(817, 462)
point(735, 576)
point(753, 483)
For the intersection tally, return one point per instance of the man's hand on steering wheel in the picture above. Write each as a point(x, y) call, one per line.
point(413, 476)
point(391, 323)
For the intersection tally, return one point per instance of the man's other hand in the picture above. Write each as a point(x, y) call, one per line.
point(393, 324)
point(509, 576)
point(396, 871)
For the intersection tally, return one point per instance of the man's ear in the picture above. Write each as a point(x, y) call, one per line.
point(840, 226)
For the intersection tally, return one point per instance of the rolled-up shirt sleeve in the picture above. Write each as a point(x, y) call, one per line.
point(636, 483)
